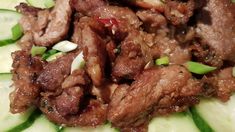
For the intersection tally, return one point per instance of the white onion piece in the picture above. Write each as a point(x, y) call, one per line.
point(78, 62)
point(55, 56)
point(65, 46)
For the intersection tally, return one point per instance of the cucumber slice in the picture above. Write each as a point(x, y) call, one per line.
point(9, 121)
point(41, 3)
point(8, 19)
point(10, 4)
point(5, 57)
point(218, 115)
point(179, 122)
point(104, 128)
point(41, 124)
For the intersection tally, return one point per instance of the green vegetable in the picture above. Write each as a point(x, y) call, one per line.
point(49, 3)
point(233, 72)
point(162, 61)
point(41, 3)
point(38, 50)
point(200, 122)
point(233, 1)
point(55, 56)
point(198, 68)
point(16, 31)
point(49, 53)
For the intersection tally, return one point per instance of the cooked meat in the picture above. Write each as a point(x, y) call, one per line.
point(153, 21)
point(220, 85)
point(25, 9)
point(218, 32)
point(68, 102)
point(154, 88)
point(25, 71)
point(178, 12)
point(135, 53)
point(57, 25)
point(94, 54)
point(26, 42)
point(126, 19)
point(111, 51)
point(87, 6)
point(149, 4)
point(55, 72)
point(171, 48)
point(94, 114)
point(78, 77)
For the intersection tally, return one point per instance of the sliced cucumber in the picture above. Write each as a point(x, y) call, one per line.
point(8, 120)
point(179, 122)
point(5, 57)
point(104, 128)
point(8, 19)
point(41, 3)
point(41, 124)
point(10, 4)
point(218, 115)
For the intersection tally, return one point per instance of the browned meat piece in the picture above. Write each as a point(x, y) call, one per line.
point(148, 4)
point(153, 21)
point(57, 25)
point(104, 93)
point(171, 48)
point(216, 24)
point(25, 72)
point(25, 9)
point(179, 12)
point(87, 6)
point(78, 77)
point(135, 53)
point(80, 24)
point(55, 72)
point(111, 51)
point(92, 115)
point(154, 88)
point(68, 102)
point(94, 55)
point(220, 85)
point(123, 18)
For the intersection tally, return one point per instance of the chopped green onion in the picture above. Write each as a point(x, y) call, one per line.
point(49, 3)
point(65, 46)
point(55, 56)
point(49, 53)
point(233, 1)
point(16, 31)
point(78, 62)
point(162, 61)
point(38, 50)
point(198, 68)
point(233, 72)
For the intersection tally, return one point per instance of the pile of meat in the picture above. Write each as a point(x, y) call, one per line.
point(119, 42)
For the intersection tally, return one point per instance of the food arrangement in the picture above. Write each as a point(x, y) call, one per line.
point(131, 66)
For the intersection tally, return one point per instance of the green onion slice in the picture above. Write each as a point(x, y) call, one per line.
point(162, 61)
point(38, 50)
point(65, 46)
point(78, 62)
point(199, 68)
point(16, 31)
point(55, 56)
point(49, 53)
point(233, 72)
point(49, 3)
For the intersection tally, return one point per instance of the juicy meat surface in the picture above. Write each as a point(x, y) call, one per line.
point(216, 24)
point(87, 6)
point(54, 73)
point(25, 72)
point(93, 114)
point(94, 55)
point(133, 105)
point(178, 12)
point(57, 25)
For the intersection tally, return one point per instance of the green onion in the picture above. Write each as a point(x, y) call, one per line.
point(16, 31)
point(49, 3)
point(65, 46)
point(49, 53)
point(198, 68)
point(233, 72)
point(55, 56)
point(78, 62)
point(233, 1)
point(162, 61)
point(38, 50)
